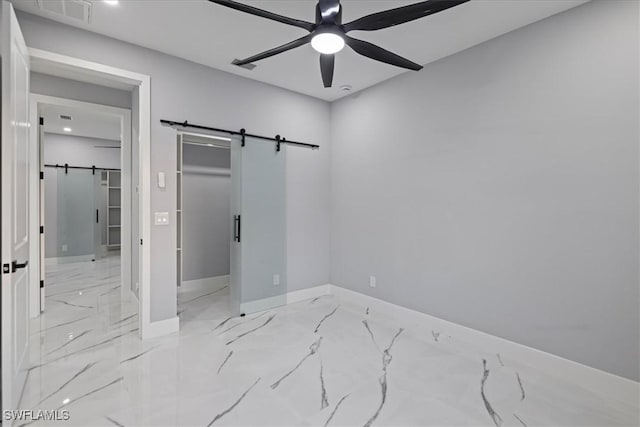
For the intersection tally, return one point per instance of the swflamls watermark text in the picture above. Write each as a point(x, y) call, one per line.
point(37, 415)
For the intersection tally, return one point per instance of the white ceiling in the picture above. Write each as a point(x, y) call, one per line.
point(209, 34)
point(85, 123)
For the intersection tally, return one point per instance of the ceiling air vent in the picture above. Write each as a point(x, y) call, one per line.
point(77, 10)
point(65, 117)
point(249, 67)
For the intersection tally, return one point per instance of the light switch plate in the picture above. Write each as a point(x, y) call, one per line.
point(162, 183)
point(161, 218)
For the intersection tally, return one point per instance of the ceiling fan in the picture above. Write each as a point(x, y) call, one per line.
point(328, 35)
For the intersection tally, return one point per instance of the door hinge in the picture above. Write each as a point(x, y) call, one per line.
point(41, 120)
point(6, 268)
point(42, 283)
point(140, 242)
point(41, 175)
point(42, 229)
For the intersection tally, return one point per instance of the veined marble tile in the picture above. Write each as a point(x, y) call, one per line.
point(317, 362)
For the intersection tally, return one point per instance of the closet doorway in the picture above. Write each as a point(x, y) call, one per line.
point(231, 225)
point(203, 215)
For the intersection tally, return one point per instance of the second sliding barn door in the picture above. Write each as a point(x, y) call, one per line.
point(258, 214)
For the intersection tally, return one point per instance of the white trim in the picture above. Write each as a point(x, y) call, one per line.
point(34, 211)
point(208, 283)
point(597, 381)
point(263, 304)
point(285, 299)
point(144, 135)
point(106, 73)
point(87, 68)
point(67, 260)
point(310, 293)
point(162, 327)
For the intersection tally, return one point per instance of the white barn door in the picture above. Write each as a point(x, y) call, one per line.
point(14, 176)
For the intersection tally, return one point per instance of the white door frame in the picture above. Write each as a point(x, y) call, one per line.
point(14, 227)
point(100, 73)
point(36, 102)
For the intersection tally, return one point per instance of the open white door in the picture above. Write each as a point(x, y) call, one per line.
point(15, 209)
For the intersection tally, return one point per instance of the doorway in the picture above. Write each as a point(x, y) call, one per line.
point(85, 160)
point(203, 215)
point(140, 173)
point(85, 198)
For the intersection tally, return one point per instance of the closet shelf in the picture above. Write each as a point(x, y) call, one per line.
point(115, 207)
point(114, 226)
point(114, 188)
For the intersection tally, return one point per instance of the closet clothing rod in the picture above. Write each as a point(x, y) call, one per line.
point(277, 139)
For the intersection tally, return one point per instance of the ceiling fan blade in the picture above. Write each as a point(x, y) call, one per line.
point(400, 15)
point(265, 14)
point(276, 50)
point(329, 12)
point(379, 54)
point(327, 66)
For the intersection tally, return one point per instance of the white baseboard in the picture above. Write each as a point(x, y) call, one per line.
point(212, 283)
point(68, 259)
point(594, 379)
point(310, 293)
point(263, 304)
point(161, 328)
point(288, 298)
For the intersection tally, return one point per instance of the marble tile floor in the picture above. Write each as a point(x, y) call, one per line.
point(320, 362)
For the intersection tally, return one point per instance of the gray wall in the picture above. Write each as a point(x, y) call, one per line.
point(44, 84)
point(206, 192)
point(498, 188)
point(75, 151)
point(183, 90)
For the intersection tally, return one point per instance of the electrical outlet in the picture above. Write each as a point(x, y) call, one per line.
point(372, 281)
point(276, 279)
point(161, 218)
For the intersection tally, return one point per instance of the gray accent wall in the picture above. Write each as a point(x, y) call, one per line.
point(206, 197)
point(182, 90)
point(498, 188)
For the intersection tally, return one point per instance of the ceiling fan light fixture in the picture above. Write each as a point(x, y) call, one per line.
point(327, 43)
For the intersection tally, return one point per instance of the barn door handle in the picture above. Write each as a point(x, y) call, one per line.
point(236, 228)
point(15, 266)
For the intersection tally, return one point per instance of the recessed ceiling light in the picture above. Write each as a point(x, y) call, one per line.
point(111, 2)
point(327, 43)
point(66, 129)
